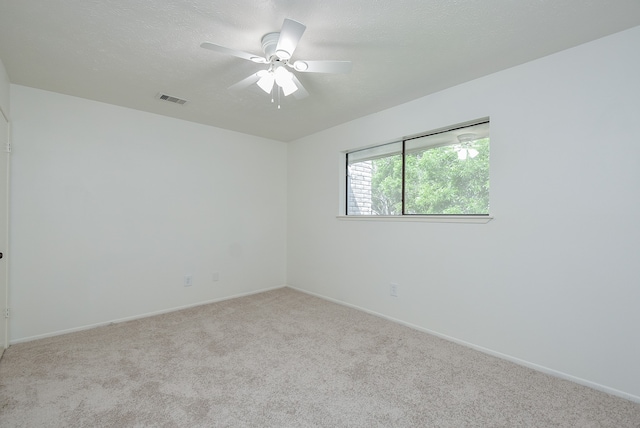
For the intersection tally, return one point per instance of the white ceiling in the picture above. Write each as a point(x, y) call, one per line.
point(124, 52)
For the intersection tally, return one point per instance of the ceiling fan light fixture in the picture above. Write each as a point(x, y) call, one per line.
point(266, 82)
point(282, 75)
point(284, 79)
point(288, 88)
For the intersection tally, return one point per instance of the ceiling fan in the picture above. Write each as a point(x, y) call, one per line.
point(278, 49)
point(466, 148)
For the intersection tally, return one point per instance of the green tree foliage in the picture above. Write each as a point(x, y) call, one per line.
point(386, 186)
point(437, 182)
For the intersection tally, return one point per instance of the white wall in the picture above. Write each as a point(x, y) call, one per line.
point(111, 207)
point(553, 281)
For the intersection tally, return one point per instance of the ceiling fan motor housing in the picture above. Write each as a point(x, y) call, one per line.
point(269, 43)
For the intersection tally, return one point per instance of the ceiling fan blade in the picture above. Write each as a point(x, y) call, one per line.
point(236, 53)
point(290, 35)
point(335, 67)
point(245, 83)
point(301, 92)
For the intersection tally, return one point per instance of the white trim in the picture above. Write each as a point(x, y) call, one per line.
point(420, 218)
point(534, 366)
point(135, 317)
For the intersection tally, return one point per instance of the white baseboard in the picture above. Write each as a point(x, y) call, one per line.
point(135, 317)
point(537, 367)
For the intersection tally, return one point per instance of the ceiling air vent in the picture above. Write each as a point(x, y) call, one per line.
point(171, 99)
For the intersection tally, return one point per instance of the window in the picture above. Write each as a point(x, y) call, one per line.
point(440, 173)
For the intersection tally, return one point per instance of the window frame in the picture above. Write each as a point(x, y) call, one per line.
point(435, 218)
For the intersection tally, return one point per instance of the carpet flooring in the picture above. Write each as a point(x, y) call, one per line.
point(282, 358)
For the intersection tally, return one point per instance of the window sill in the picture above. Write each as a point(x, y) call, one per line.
point(420, 218)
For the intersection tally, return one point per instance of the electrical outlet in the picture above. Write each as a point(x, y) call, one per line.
point(393, 290)
point(188, 280)
point(216, 276)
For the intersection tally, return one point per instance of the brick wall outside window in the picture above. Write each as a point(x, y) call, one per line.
point(359, 188)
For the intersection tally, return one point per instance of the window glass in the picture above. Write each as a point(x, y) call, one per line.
point(448, 172)
point(443, 173)
point(374, 181)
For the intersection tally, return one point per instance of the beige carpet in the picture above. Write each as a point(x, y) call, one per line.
point(282, 359)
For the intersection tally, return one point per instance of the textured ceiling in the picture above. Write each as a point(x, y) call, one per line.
point(124, 52)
